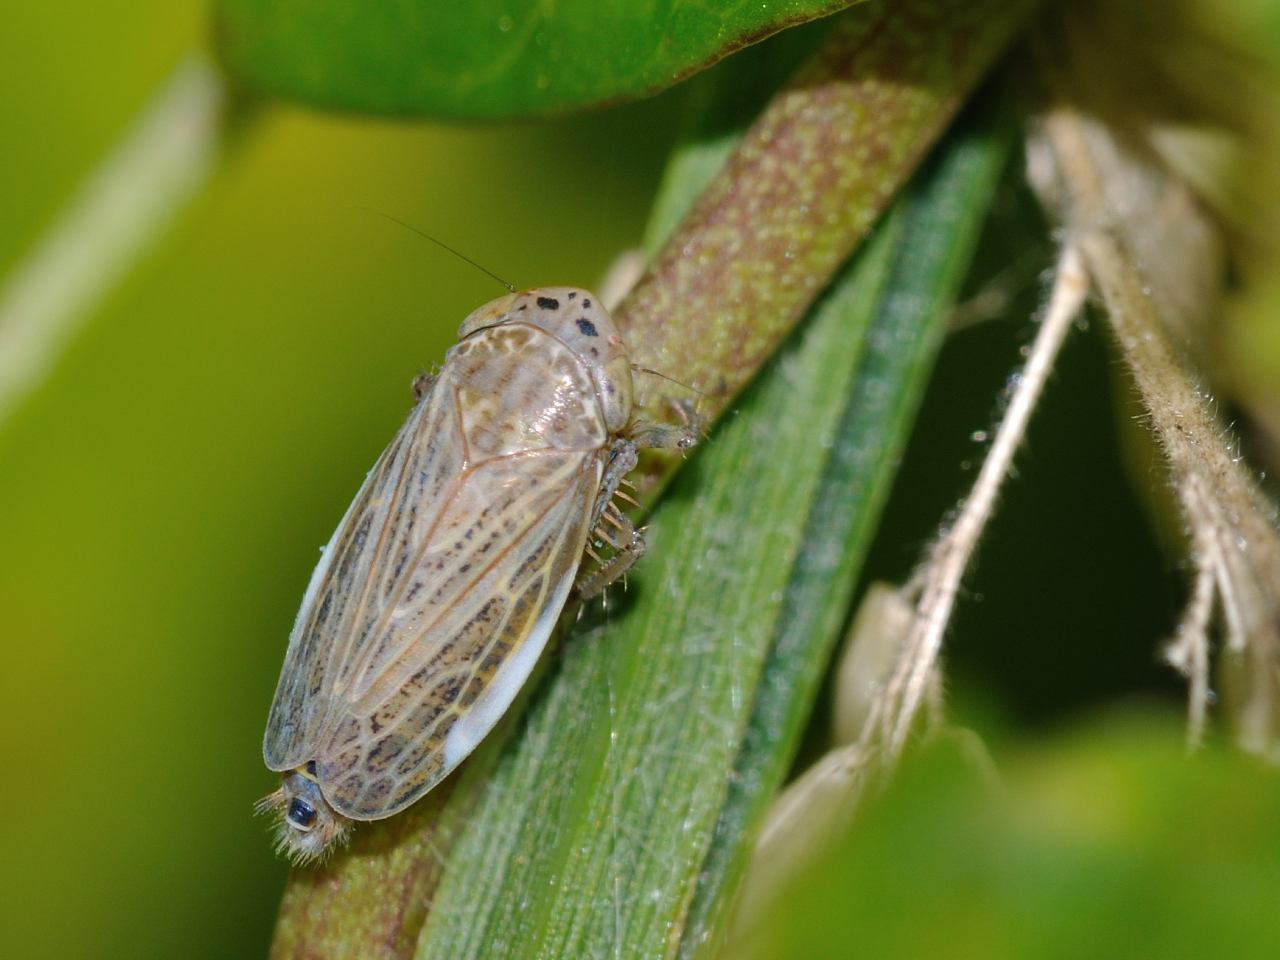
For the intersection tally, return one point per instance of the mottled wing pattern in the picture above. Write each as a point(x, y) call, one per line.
point(446, 576)
point(444, 667)
point(420, 466)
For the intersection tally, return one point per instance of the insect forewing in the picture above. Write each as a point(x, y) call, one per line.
point(324, 633)
point(445, 578)
point(441, 674)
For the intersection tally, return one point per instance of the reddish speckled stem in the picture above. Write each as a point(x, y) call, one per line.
point(802, 190)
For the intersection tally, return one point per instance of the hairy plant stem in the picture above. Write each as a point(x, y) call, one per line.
point(934, 587)
point(1094, 176)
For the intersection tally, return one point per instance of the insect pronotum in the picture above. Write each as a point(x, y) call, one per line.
point(442, 583)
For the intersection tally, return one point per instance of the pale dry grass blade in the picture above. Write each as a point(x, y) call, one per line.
point(934, 587)
point(117, 213)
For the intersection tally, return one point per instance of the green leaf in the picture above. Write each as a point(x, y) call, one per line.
point(489, 58)
point(1109, 843)
point(938, 231)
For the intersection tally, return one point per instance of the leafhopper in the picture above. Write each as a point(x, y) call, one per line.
point(443, 581)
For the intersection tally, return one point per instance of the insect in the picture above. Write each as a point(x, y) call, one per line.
point(441, 585)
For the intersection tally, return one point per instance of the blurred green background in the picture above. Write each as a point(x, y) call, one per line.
point(166, 491)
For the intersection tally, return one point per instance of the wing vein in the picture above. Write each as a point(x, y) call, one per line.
point(462, 593)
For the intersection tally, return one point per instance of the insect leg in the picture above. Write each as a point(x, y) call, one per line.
point(620, 461)
point(627, 542)
point(669, 436)
point(629, 546)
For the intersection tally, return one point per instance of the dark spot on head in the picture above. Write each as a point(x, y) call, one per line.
point(587, 327)
point(572, 294)
point(301, 813)
point(523, 306)
point(586, 302)
point(549, 303)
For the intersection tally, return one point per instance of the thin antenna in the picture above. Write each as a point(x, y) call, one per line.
point(663, 376)
point(440, 243)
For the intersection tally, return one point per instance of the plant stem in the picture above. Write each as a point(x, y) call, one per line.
point(938, 580)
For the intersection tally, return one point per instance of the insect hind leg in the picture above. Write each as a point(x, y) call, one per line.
point(611, 526)
point(628, 546)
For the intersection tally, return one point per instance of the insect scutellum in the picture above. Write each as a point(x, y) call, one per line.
point(442, 584)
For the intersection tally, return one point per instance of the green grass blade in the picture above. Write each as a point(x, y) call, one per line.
point(595, 822)
point(616, 823)
point(940, 220)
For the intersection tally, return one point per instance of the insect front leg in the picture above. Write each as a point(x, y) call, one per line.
point(669, 436)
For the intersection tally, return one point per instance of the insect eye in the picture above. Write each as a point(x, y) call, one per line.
point(301, 813)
